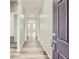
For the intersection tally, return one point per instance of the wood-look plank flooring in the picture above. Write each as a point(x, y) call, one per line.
point(31, 50)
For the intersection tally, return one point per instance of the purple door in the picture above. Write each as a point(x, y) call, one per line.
point(61, 40)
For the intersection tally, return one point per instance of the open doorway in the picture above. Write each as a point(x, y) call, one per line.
point(42, 29)
point(32, 29)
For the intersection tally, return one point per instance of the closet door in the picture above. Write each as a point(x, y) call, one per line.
point(61, 44)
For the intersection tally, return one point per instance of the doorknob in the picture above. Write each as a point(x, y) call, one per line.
point(54, 44)
point(54, 41)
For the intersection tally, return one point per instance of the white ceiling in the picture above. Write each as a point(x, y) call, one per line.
point(32, 7)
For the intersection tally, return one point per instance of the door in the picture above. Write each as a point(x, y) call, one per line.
point(32, 29)
point(61, 40)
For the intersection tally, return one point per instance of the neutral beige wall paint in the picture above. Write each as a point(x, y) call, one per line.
point(46, 27)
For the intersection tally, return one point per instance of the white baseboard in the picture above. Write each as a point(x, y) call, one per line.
point(44, 49)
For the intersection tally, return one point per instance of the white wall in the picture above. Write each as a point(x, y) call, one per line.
point(22, 30)
point(15, 28)
point(46, 26)
point(17, 23)
point(13, 20)
point(20, 26)
point(11, 24)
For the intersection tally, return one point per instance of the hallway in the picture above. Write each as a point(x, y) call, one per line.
point(31, 50)
point(31, 20)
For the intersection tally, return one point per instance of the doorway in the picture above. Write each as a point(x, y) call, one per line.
point(31, 29)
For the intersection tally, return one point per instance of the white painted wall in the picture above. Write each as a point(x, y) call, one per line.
point(20, 26)
point(17, 24)
point(11, 24)
point(13, 27)
point(46, 26)
point(13, 20)
point(22, 30)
